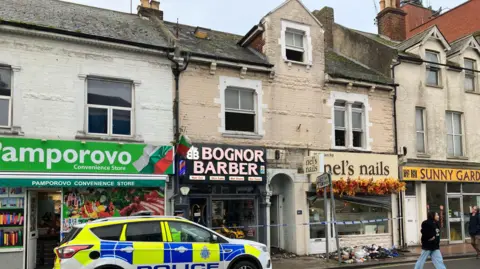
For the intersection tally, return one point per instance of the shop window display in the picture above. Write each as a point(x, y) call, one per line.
point(350, 211)
point(436, 202)
point(83, 205)
point(227, 215)
point(12, 217)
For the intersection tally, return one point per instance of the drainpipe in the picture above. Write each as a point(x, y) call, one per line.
point(400, 195)
point(177, 69)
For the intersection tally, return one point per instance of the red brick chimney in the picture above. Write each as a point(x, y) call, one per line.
point(391, 20)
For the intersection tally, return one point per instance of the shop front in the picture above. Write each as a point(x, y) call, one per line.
point(451, 192)
point(225, 185)
point(365, 188)
point(47, 186)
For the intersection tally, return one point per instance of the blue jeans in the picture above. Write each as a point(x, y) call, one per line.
point(436, 256)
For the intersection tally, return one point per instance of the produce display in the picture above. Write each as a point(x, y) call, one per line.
point(82, 205)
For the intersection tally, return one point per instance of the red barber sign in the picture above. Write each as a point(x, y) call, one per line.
point(222, 163)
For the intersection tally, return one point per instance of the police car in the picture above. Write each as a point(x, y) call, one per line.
point(155, 242)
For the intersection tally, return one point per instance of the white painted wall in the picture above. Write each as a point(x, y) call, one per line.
point(49, 86)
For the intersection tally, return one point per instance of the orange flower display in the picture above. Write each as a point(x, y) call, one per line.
point(369, 186)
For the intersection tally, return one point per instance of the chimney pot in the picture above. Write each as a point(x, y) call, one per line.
point(150, 8)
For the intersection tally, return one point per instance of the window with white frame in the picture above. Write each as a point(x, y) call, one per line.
point(357, 125)
point(470, 80)
point(5, 96)
point(420, 129)
point(294, 45)
point(109, 107)
point(453, 121)
point(349, 121)
point(240, 112)
point(340, 119)
point(433, 70)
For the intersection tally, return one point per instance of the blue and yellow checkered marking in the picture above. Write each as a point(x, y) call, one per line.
point(162, 253)
point(231, 251)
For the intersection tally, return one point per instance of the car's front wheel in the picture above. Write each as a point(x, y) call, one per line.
point(244, 265)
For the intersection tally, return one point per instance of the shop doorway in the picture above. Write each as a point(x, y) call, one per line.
point(276, 219)
point(411, 221)
point(44, 222)
point(455, 219)
point(281, 186)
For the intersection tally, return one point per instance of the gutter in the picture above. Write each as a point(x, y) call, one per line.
point(177, 69)
point(231, 64)
point(385, 86)
point(228, 59)
point(250, 35)
point(83, 35)
point(421, 61)
point(395, 127)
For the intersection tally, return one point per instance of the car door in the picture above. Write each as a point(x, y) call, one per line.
point(142, 245)
point(191, 244)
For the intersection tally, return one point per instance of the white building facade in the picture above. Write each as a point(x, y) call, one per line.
point(82, 107)
point(437, 130)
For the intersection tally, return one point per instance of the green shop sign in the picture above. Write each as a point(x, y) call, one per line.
point(81, 183)
point(58, 156)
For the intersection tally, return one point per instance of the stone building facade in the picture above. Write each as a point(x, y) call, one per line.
point(296, 80)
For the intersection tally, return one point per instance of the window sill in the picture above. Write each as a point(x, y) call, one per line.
point(83, 136)
point(14, 131)
point(434, 86)
point(423, 155)
point(244, 135)
point(472, 92)
point(457, 157)
point(290, 62)
point(350, 149)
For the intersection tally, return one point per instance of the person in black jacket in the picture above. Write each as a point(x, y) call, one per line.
point(474, 229)
point(431, 242)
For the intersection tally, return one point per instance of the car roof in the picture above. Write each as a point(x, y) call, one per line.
point(119, 220)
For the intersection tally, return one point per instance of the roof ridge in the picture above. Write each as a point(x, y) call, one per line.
point(419, 33)
point(192, 26)
point(94, 7)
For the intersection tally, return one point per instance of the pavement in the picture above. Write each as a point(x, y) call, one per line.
point(456, 255)
point(464, 263)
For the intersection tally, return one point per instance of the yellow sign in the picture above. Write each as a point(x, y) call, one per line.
point(440, 174)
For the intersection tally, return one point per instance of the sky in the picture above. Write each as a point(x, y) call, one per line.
point(238, 16)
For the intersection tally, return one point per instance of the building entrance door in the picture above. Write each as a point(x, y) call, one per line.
point(275, 221)
point(411, 221)
point(32, 229)
point(455, 219)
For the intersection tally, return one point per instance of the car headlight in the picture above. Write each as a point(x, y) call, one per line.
point(262, 248)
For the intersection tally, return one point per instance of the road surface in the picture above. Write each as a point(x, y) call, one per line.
point(468, 263)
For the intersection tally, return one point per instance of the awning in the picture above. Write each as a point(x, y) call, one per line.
point(42, 180)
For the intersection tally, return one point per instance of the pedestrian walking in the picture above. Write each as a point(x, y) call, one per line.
point(474, 229)
point(431, 242)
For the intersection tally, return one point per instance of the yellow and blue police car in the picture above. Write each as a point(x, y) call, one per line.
point(155, 242)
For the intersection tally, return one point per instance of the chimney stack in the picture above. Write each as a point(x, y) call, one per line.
point(149, 8)
point(327, 18)
point(391, 20)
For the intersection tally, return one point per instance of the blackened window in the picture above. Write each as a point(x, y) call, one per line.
point(240, 113)
point(294, 45)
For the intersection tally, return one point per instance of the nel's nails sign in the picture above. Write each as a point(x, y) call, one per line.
point(222, 163)
point(58, 156)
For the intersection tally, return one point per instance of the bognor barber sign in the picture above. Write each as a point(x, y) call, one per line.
point(58, 156)
point(221, 163)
